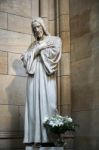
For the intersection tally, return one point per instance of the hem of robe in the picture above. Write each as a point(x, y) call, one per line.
point(49, 144)
point(26, 141)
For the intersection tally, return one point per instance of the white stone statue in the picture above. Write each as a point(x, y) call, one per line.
point(40, 62)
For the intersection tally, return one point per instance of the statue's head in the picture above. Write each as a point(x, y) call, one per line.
point(38, 28)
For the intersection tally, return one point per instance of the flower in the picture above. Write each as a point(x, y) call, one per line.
point(59, 124)
point(70, 119)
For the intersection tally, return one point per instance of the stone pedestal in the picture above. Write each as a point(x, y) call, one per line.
point(43, 148)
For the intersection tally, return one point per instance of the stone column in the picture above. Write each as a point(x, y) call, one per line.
point(57, 34)
point(51, 16)
point(35, 8)
point(64, 32)
point(44, 11)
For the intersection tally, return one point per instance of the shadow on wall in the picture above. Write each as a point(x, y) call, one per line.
point(3, 1)
point(16, 93)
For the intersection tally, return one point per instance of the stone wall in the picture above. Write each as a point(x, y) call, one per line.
point(15, 38)
point(84, 25)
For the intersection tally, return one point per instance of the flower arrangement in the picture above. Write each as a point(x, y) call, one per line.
point(59, 124)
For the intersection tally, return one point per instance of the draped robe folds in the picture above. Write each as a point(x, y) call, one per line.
point(41, 89)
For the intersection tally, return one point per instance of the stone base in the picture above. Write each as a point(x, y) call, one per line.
point(43, 148)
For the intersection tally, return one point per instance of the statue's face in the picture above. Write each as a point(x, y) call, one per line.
point(38, 30)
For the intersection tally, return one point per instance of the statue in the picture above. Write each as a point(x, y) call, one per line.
point(40, 62)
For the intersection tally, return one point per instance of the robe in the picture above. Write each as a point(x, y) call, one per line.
point(41, 100)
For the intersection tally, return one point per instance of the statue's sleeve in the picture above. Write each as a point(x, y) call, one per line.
point(29, 62)
point(52, 55)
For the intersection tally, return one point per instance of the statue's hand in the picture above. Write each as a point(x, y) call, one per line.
point(45, 44)
point(42, 45)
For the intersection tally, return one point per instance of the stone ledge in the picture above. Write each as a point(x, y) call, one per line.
point(43, 148)
point(10, 135)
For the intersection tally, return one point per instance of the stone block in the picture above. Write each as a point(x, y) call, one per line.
point(94, 21)
point(51, 10)
point(82, 72)
point(83, 118)
point(19, 24)
point(74, 7)
point(65, 110)
point(3, 22)
point(88, 122)
point(64, 23)
point(65, 64)
point(78, 7)
point(11, 144)
point(82, 90)
point(65, 36)
point(94, 41)
point(15, 65)
point(21, 8)
point(64, 6)
point(44, 8)
point(51, 27)
point(9, 118)
point(35, 8)
point(12, 90)
point(13, 41)
point(3, 62)
point(65, 90)
point(82, 97)
point(81, 48)
point(79, 24)
point(86, 143)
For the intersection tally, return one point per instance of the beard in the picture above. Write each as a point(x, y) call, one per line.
point(38, 35)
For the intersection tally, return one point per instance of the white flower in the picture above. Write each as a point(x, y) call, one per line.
point(60, 123)
point(70, 119)
point(51, 123)
point(57, 121)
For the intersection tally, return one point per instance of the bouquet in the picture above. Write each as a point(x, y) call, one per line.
point(59, 124)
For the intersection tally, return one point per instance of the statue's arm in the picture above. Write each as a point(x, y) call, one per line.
point(43, 45)
point(36, 50)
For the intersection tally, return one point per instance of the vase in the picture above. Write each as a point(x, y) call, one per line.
point(59, 141)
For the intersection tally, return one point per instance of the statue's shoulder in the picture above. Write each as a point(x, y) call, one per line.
point(55, 39)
